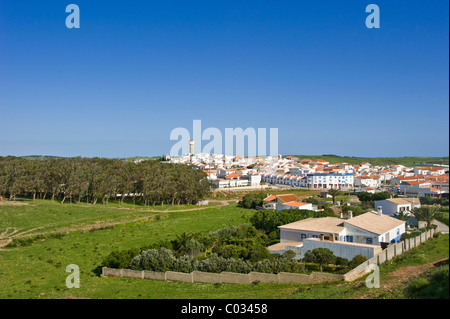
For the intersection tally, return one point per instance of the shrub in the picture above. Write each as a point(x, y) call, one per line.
point(340, 261)
point(321, 256)
point(356, 261)
point(183, 264)
point(160, 260)
point(194, 248)
point(120, 259)
point(356, 210)
point(252, 200)
point(289, 254)
point(217, 264)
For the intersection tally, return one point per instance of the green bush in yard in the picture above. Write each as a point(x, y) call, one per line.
point(356, 261)
point(340, 261)
point(321, 256)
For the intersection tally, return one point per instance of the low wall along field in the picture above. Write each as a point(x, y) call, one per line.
point(254, 277)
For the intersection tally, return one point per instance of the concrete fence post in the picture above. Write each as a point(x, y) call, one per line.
point(417, 241)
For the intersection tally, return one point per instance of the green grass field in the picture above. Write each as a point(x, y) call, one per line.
point(38, 270)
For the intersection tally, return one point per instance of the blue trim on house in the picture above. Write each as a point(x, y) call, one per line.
point(313, 174)
point(396, 239)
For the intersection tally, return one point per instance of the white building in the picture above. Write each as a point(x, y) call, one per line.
point(294, 205)
point(397, 205)
point(367, 181)
point(420, 189)
point(345, 237)
point(430, 170)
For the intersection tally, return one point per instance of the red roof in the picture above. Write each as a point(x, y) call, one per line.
point(271, 198)
point(232, 175)
point(288, 198)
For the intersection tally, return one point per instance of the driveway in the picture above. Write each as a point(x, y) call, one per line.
point(441, 227)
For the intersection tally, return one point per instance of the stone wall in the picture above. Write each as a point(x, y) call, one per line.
point(224, 277)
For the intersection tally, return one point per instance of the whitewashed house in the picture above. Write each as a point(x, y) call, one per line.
point(372, 181)
point(394, 206)
point(361, 235)
point(295, 205)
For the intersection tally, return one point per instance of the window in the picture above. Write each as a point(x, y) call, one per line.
point(302, 236)
point(398, 231)
point(349, 239)
point(369, 241)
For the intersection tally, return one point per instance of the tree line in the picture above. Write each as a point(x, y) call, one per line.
point(100, 179)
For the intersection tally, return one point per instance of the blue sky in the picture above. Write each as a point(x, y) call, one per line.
point(135, 70)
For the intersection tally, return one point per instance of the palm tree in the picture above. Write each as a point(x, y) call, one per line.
point(427, 213)
point(403, 215)
point(333, 192)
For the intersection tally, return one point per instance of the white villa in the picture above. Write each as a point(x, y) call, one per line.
point(346, 237)
point(393, 206)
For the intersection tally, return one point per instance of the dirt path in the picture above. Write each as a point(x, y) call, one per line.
point(399, 278)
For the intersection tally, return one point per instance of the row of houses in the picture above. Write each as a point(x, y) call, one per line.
point(313, 180)
point(320, 174)
point(427, 187)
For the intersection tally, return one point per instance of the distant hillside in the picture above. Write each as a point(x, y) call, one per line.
point(39, 157)
point(142, 158)
point(406, 161)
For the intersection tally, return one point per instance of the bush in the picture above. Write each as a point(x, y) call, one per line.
point(252, 200)
point(160, 260)
point(340, 261)
point(120, 259)
point(369, 197)
point(194, 248)
point(434, 201)
point(356, 210)
point(289, 254)
point(320, 256)
point(356, 261)
point(217, 264)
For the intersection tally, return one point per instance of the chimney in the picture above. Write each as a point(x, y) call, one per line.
point(350, 214)
point(380, 211)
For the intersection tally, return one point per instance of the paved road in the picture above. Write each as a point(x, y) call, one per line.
point(441, 227)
